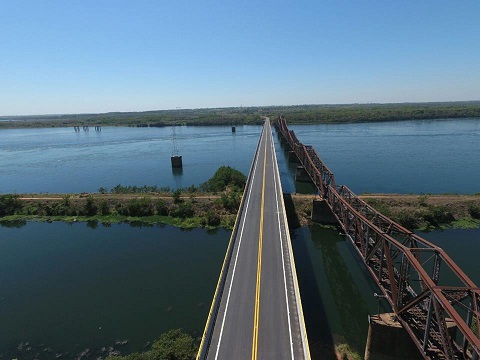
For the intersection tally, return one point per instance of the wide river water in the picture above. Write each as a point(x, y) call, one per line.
point(69, 287)
point(429, 156)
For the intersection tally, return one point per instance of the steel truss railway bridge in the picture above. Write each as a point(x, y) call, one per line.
point(257, 313)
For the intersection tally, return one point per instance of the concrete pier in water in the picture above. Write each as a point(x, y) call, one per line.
point(177, 161)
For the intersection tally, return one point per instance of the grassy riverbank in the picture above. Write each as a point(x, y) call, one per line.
point(214, 204)
point(415, 212)
point(299, 114)
point(194, 208)
point(187, 210)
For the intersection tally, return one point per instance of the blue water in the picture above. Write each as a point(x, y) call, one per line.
point(61, 161)
point(421, 156)
point(429, 156)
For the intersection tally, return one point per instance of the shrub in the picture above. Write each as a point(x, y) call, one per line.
point(104, 208)
point(162, 208)
point(90, 208)
point(474, 211)
point(438, 215)
point(422, 200)
point(183, 210)
point(140, 207)
point(230, 201)
point(213, 219)
point(9, 205)
point(225, 176)
point(408, 219)
point(176, 196)
point(173, 345)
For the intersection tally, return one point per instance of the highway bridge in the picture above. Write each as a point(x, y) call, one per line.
point(257, 312)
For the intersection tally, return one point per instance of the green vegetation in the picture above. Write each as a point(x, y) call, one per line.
point(430, 212)
point(428, 217)
point(9, 204)
point(414, 212)
point(224, 177)
point(173, 345)
point(299, 114)
point(345, 352)
point(474, 211)
point(353, 113)
point(186, 213)
point(185, 208)
point(224, 116)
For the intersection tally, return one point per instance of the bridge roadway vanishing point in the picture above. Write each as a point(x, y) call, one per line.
point(256, 311)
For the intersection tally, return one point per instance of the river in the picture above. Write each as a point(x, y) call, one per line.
point(69, 287)
point(421, 156)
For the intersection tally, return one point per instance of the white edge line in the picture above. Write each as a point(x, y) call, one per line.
point(236, 258)
point(274, 157)
point(303, 330)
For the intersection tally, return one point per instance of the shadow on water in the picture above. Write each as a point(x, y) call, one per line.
point(336, 290)
point(319, 333)
point(92, 224)
point(13, 224)
point(348, 299)
point(177, 171)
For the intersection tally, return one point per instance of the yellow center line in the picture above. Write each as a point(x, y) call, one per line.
point(259, 262)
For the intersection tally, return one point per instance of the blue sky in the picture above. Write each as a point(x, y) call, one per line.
point(80, 56)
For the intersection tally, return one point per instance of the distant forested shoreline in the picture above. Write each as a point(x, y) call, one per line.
point(298, 114)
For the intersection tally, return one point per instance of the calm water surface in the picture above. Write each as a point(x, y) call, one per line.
point(63, 161)
point(421, 156)
point(430, 156)
point(337, 290)
point(68, 287)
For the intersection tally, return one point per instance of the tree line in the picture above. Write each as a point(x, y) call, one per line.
point(297, 114)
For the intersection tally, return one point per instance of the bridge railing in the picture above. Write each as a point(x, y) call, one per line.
point(214, 308)
point(428, 292)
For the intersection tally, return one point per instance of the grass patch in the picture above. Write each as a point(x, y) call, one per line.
point(345, 352)
point(466, 223)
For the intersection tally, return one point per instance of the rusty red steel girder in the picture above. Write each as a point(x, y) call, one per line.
point(435, 301)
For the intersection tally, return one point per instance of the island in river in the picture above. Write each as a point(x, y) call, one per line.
point(191, 208)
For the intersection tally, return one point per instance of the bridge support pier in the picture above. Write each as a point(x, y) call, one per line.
point(292, 157)
point(388, 340)
point(321, 213)
point(176, 161)
point(301, 175)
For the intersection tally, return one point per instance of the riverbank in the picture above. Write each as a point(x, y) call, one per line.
point(415, 212)
point(218, 210)
point(186, 211)
point(297, 114)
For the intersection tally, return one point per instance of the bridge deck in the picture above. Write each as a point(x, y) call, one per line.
point(260, 315)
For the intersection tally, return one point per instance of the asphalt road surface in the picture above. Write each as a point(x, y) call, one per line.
point(259, 316)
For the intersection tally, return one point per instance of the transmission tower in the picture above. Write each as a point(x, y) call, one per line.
point(176, 157)
point(175, 150)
